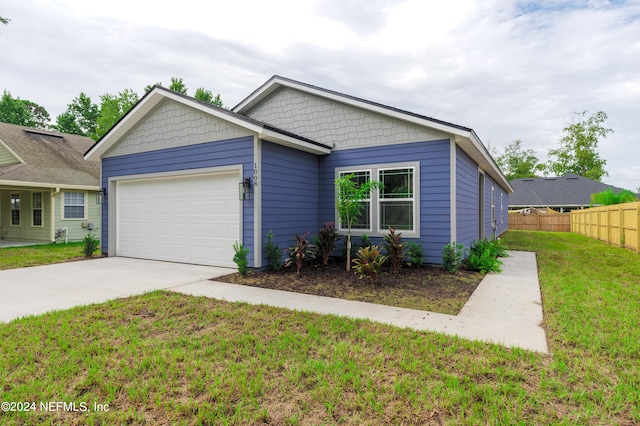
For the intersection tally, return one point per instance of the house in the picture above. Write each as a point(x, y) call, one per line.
point(47, 189)
point(184, 179)
point(563, 194)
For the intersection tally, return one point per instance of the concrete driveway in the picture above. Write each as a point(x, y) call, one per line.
point(40, 289)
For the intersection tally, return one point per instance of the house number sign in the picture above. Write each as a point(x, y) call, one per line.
point(255, 174)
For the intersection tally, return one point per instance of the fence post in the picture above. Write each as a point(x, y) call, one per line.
point(638, 228)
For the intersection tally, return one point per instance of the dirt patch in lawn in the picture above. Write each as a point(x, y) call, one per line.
point(429, 288)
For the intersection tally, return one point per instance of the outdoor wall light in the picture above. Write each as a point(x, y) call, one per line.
point(101, 195)
point(244, 188)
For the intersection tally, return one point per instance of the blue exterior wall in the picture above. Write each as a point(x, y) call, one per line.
point(501, 221)
point(290, 194)
point(466, 199)
point(434, 158)
point(211, 154)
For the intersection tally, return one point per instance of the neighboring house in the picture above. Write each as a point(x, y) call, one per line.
point(176, 169)
point(46, 185)
point(563, 194)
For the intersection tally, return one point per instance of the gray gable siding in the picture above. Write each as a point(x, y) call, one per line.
point(334, 123)
point(171, 124)
point(6, 157)
point(466, 198)
point(199, 156)
point(434, 160)
point(290, 200)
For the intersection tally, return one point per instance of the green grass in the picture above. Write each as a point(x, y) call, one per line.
point(166, 358)
point(20, 257)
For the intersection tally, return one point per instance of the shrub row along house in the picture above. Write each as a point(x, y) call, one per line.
point(47, 190)
point(184, 180)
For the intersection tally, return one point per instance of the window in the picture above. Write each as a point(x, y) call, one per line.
point(15, 209)
point(501, 209)
point(36, 206)
point(396, 198)
point(395, 204)
point(74, 205)
point(364, 221)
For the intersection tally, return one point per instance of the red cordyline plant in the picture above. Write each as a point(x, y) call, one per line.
point(300, 253)
point(395, 248)
point(326, 241)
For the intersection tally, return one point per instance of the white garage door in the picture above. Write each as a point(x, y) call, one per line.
point(187, 219)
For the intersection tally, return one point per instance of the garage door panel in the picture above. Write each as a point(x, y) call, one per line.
point(190, 219)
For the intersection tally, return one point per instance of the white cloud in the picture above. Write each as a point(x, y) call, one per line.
point(509, 69)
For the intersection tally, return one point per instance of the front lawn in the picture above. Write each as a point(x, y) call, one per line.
point(20, 257)
point(167, 358)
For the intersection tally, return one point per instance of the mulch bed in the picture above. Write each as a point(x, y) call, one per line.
point(429, 288)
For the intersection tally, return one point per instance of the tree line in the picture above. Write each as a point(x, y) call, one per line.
point(83, 116)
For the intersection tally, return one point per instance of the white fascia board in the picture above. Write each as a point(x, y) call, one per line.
point(20, 184)
point(476, 150)
point(261, 92)
point(149, 102)
point(276, 82)
point(291, 142)
point(124, 125)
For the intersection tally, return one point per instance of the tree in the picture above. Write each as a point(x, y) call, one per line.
point(349, 203)
point(4, 20)
point(207, 96)
point(577, 153)
point(80, 118)
point(113, 108)
point(518, 163)
point(202, 94)
point(22, 112)
point(177, 85)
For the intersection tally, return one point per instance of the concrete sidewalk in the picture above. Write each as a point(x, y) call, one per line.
point(506, 308)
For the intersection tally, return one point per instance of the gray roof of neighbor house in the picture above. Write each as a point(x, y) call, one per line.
point(567, 190)
point(43, 158)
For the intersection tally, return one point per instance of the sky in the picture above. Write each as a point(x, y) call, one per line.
point(509, 69)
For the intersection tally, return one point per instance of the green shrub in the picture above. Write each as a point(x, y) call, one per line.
point(415, 255)
point(274, 254)
point(368, 263)
point(326, 241)
point(483, 256)
point(301, 252)
point(452, 255)
point(90, 245)
point(365, 241)
point(240, 258)
point(395, 248)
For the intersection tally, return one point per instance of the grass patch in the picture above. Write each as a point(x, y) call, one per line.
point(20, 257)
point(166, 358)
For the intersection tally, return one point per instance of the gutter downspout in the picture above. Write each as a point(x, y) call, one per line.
point(52, 235)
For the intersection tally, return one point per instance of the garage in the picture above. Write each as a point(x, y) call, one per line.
point(193, 218)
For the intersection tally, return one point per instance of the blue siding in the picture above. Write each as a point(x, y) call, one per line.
point(211, 154)
point(502, 223)
point(434, 186)
point(290, 194)
point(466, 198)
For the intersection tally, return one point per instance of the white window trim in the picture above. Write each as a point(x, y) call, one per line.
point(86, 206)
point(501, 208)
point(33, 209)
point(11, 209)
point(374, 201)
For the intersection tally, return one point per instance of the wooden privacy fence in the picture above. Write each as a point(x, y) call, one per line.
point(618, 224)
point(540, 222)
